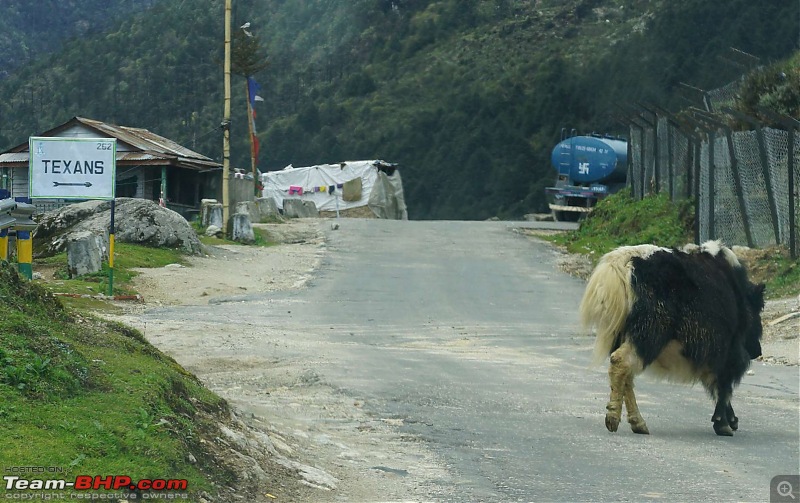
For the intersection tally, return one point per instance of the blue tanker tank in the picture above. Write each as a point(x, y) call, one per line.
point(589, 168)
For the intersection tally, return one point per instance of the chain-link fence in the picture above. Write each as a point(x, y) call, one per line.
point(746, 184)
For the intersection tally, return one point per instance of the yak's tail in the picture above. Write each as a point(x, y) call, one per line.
point(609, 297)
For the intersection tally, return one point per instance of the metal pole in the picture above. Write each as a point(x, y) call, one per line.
point(226, 121)
point(3, 245)
point(25, 254)
point(111, 251)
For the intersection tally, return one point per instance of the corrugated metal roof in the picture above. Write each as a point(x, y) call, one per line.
point(151, 148)
point(14, 157)
point(142, 139)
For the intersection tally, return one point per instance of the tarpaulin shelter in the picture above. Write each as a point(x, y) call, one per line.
point(341, 186)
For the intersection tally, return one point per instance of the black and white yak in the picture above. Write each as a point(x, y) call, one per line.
point(688, 315)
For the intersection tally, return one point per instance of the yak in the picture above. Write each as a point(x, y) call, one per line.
point(688, 315)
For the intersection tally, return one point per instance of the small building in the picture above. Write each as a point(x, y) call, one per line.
point(149, 166)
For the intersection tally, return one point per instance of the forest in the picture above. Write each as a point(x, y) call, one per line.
point(467, 96)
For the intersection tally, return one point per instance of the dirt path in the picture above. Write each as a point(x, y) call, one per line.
point(300, 438)
point(235, 270)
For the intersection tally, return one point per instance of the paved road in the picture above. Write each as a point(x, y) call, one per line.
point(467, 332)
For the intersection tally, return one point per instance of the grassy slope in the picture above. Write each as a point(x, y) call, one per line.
point(620, 220)
point(94, 397)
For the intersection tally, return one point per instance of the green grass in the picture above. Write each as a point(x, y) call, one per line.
point(775, 268)
point(94, 397)
point(620, 220)
point(126, 257)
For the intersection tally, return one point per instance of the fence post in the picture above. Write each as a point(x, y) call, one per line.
point(737, 180)
point(675, 125)
point(791, 126)
point(641, 158)
point(712, 224)
point(711, 136)
point(689, 132)
point(762, 156)
point(657, 114)
point(792, 212)
point(654, 126)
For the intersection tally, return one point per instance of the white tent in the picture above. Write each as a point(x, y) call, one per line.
point(326, 185)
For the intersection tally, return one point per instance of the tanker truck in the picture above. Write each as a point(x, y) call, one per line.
point(588, 169)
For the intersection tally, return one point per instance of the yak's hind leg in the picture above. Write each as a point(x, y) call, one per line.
point(721, 388)
point(721, 417)
point(634, 416)
point(624, 365)
point(733, 421)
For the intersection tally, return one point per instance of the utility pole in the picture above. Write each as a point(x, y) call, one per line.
point(226, 121)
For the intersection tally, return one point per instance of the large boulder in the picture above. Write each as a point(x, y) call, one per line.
point(135, 221)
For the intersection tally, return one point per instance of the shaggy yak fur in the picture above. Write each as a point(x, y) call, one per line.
point(688, 315)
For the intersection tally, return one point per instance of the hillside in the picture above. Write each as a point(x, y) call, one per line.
point(469, 96)
point(33, 29)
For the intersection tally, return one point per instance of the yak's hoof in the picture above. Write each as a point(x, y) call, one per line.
point(734, 423)
point(723, 430)
point(612, 422)
point(640, 427)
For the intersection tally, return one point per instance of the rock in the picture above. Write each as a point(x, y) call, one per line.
point(262, 210)
point(240, 229)
point(246, 207)
point(85, 252)
point(136, 221)
point(299, 208)
point(266, 210)
point(290, 234)
point(214, 231)
point(210, 213)
point(206, 207)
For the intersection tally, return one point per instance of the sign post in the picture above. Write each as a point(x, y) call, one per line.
point(75, 168)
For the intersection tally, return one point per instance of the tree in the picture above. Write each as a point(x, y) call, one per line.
point(247, 59)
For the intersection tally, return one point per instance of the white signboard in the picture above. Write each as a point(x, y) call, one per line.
point(72, 168)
